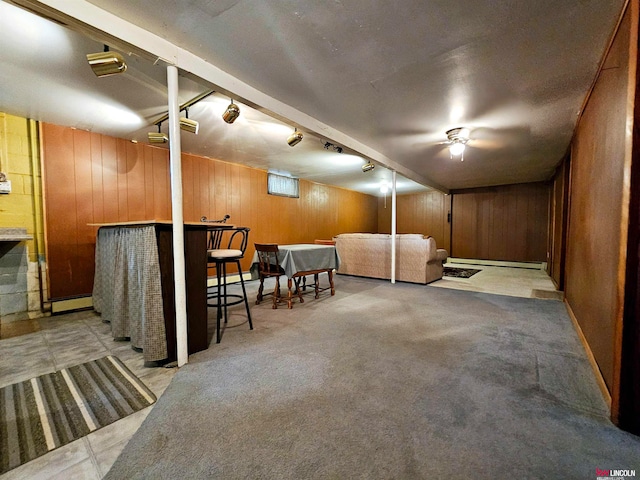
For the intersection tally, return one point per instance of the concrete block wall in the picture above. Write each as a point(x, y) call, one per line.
point(14, 266)
point(22, 208)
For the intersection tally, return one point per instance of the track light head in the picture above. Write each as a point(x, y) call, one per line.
point(106, 63)
point(295, 138)
point(157, 137)
point(231, 113)
point(367, 167)
point(189, 125)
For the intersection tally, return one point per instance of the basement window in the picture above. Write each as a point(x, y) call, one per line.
point(283, 186)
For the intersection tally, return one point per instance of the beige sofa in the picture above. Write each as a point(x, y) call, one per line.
point(369, 255)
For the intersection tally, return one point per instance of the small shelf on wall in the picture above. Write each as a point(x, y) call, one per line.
point(14, 235)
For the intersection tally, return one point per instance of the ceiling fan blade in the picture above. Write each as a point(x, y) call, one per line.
point(484, 144)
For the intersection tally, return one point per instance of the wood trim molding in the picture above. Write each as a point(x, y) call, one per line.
point(602, 61)
point(624, 220)
point(592, 360)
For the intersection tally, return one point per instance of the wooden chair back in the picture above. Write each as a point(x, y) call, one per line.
point(324, 242)
point(268, 263)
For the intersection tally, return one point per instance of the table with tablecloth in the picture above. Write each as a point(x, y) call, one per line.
point(299, 260)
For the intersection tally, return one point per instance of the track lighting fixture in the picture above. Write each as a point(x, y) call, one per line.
point(231, 113)
point(367, 167)
point(328, 145)
point(106, 63)
point(187, 124)
point(295, 138)
point(157, 137)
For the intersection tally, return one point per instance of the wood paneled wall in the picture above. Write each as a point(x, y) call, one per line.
point(558, 225)
point(595, 215)
point(92, 178)
point(424, 213)
point(627, 407)
point(508, 223)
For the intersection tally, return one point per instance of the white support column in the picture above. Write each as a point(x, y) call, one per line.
point(175, 167)
point(393, 226)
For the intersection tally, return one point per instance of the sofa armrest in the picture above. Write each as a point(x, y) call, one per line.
point(440, 256)
point(435, 268)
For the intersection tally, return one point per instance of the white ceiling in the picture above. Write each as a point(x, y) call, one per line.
point(383, 80)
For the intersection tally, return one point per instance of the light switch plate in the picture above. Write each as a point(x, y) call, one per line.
point(5, 187)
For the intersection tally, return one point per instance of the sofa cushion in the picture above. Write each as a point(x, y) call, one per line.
point(399, 236)
point(362, 235)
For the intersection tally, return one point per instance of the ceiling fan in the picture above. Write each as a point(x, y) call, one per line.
point(460, 138)
point(457, 141)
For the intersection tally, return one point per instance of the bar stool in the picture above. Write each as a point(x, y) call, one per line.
point(215, 235)
point(221, 257)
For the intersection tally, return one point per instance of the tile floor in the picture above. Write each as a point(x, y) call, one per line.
point(64, 340)
point(503, 280)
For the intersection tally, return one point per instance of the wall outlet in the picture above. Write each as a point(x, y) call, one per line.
point(5, 187)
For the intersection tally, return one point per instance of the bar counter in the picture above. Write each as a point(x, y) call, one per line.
point(134, 285)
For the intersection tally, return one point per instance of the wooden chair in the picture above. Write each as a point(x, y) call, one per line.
point(324, 242)
point(269, 266)
point(316, 280)
point(234, 252)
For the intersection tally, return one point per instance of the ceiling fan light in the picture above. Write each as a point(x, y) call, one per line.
point(231, 113)
point(157, 137)
point(107, 63)
point(456, 148)
point(295, 138)
point(189, 125)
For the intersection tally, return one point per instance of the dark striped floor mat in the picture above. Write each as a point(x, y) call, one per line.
point(51, 410)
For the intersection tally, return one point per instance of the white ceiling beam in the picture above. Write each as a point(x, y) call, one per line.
point(105, 27)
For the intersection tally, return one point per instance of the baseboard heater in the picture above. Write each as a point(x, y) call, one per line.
point(213, 281)
point(71, 304)
point(499, 263)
